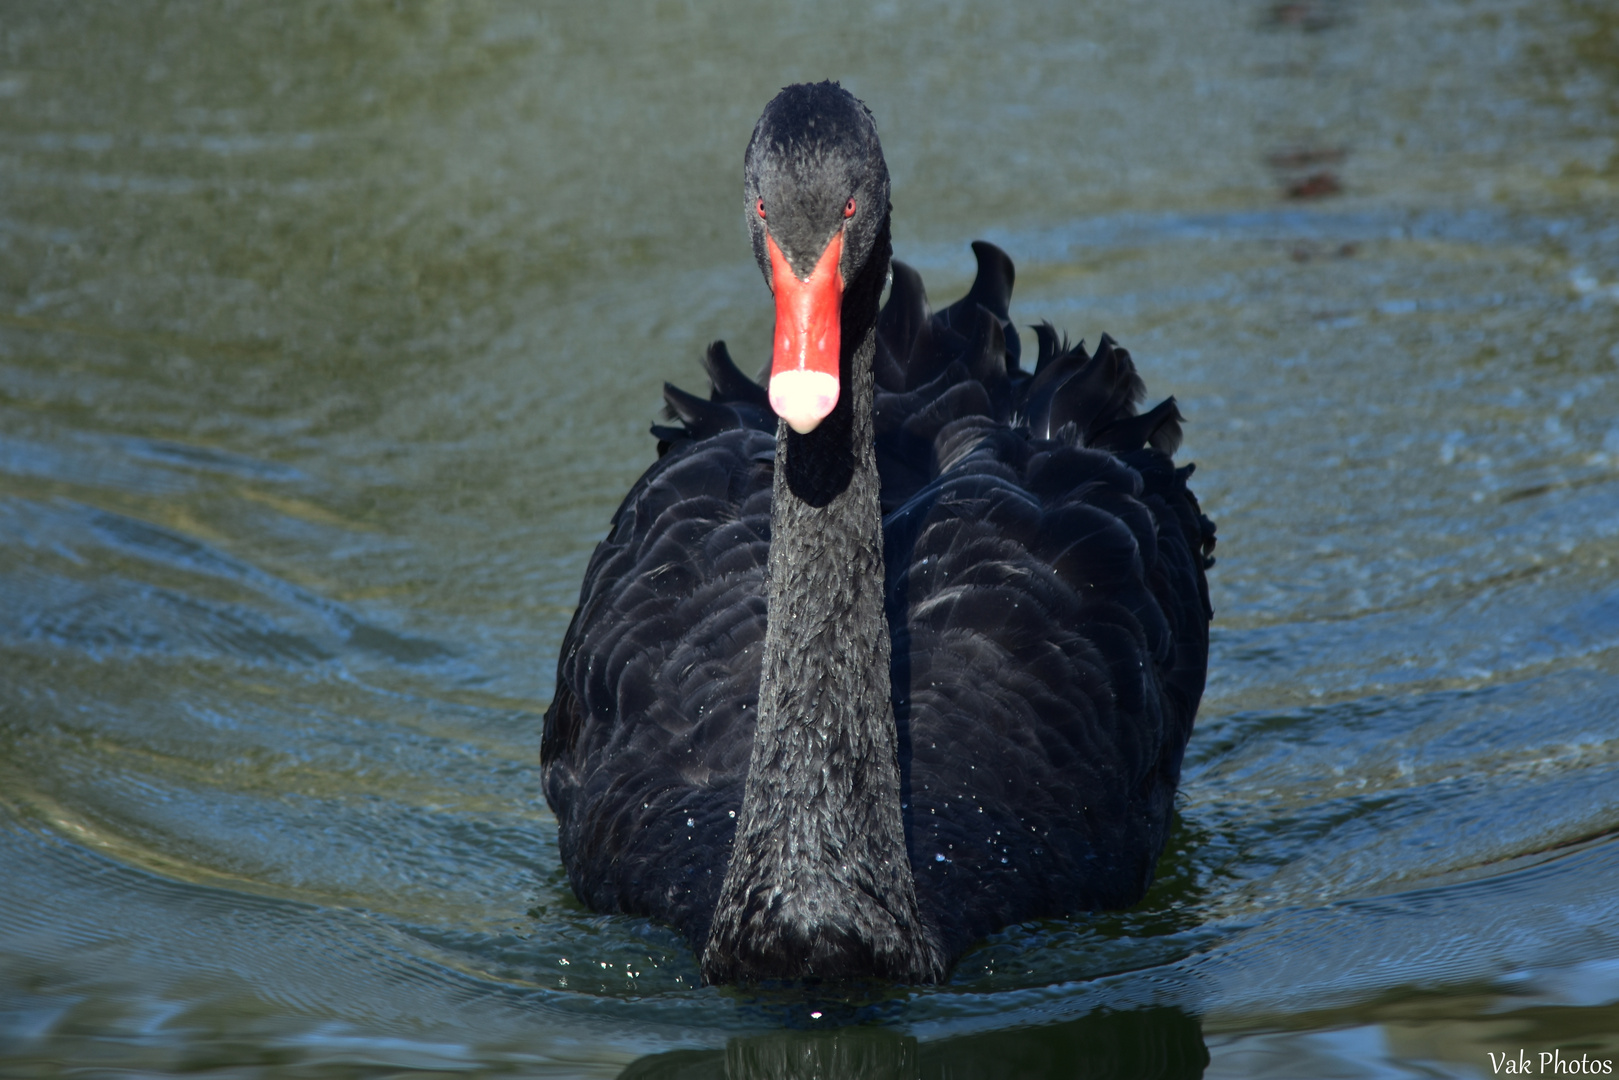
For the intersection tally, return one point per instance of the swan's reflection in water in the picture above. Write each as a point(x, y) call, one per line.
point(1151, 1044)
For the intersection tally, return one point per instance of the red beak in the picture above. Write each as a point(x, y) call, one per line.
point(804, 363)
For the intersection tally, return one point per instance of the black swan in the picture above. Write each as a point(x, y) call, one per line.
point(848, 691)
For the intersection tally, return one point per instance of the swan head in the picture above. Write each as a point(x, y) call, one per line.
point(816, 190)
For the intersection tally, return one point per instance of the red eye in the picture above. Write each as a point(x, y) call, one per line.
point(761, 208)
point(848, 208)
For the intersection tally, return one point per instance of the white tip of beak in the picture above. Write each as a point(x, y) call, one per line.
point(803, 398)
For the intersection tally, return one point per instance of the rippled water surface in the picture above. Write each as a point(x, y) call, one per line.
point(329, 338)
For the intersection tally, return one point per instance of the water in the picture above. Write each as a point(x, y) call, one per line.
point(328, 342)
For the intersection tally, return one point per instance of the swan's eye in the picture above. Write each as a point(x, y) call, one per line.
point(848, 208)
point(760, 206)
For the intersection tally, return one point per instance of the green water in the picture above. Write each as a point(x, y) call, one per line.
point(329, 338)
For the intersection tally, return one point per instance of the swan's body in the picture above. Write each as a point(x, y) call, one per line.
point(928, 668)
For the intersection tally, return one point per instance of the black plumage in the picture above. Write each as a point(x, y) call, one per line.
point(990, 633)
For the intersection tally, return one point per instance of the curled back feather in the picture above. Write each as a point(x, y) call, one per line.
point(932, 368)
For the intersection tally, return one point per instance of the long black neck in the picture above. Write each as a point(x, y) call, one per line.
point(819, 883)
